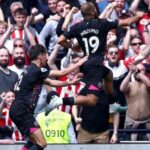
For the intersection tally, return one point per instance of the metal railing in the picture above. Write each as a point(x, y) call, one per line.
point(128, 132)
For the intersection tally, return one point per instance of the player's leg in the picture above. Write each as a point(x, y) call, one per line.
point(88, 100)
point(37, 137)
point(33, 132)
point(27, 145)
point(27, 125)
point(55, 101)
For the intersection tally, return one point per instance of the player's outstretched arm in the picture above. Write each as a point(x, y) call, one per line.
point(58, 83)
point(66, 71)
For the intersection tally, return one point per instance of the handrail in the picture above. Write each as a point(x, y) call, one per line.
point(133, 130)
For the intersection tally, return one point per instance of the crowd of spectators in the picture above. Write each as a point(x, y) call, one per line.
point(30, 22)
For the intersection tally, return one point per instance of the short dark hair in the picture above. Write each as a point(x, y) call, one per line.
point(35, 51)
point(87, 9)
point(136, 37)
point(21, 11)
point(6, 49)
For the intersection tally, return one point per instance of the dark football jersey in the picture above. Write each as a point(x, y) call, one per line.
point(29, 85)
point(91, 35)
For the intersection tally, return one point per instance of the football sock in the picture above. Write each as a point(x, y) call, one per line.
point(36, 147)
point(68, 101)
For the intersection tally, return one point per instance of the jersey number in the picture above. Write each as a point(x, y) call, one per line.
point(92, 42)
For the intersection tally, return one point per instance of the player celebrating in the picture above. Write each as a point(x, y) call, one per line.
point(91, 35)
point(27, 91)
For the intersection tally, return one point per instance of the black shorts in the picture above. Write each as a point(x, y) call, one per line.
point(95, 84)
point(93, 69)
point(23, 118)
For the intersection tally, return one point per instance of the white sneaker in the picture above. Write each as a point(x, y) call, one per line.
point(55, 101)
point(116, 108)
